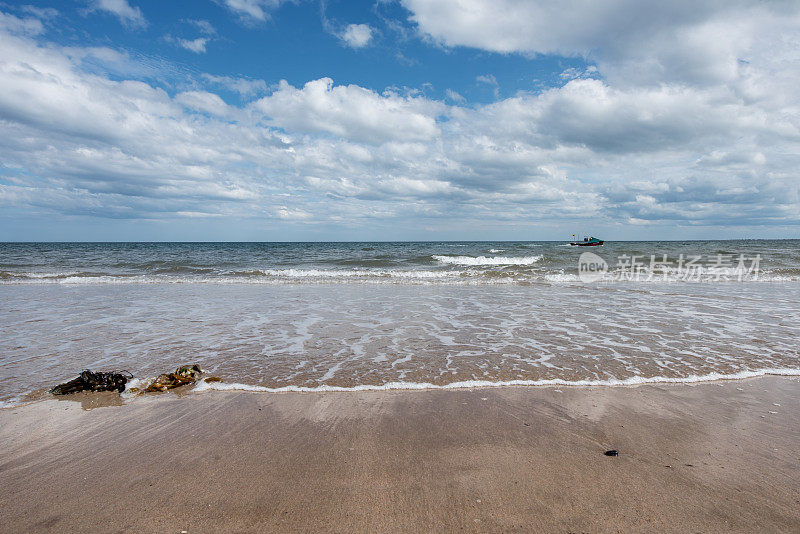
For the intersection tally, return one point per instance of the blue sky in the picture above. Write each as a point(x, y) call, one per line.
point(301, 41)
point(408, 119)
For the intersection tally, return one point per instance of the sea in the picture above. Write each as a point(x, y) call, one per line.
point(406, 315)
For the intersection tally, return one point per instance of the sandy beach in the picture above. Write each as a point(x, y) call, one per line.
point(718, 456)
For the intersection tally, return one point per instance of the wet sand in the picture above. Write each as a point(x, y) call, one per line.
point(703, 457)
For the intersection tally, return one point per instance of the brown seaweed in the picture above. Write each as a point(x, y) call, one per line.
point(182, 376)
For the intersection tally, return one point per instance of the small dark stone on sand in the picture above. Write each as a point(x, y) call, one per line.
point(612, 452)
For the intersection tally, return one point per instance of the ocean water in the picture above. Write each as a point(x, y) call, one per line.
point(282, 316)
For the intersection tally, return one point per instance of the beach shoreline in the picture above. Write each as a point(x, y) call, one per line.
point(693, 457)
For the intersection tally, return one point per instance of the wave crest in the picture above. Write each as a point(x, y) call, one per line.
point(485, 260)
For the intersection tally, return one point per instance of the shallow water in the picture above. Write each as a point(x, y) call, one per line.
point(475, 322)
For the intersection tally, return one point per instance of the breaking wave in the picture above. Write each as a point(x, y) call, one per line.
point(484, 260)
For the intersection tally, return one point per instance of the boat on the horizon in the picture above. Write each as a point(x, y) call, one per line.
point(587, 242)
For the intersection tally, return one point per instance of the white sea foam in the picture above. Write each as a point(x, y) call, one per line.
point(135, 383)
point(353, 273)
point(466, 384)
point(561, 277)
point(259, 276)
point(52, 275)
point(10, 403)
point(484, 260)
point(467, 271)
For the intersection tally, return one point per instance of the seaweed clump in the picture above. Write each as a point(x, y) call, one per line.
point(89, 381)
point(182, 376)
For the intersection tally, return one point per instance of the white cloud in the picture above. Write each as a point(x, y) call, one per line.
point(127, 14)
point(42, 13)
point(454, 96)
point(198, 46)
point(26, 26)
point(349, 111)
point(75, 141)
point(357, 35)
point(292, 213)
point(491, 81)
point(588, 112)
point(203, 101)
point(203, 25)
point(571, 27)
point(87, 137)
point(573, 73)
point(645, 42)
point(488, 79)
point(243, 86)
point(253, 10)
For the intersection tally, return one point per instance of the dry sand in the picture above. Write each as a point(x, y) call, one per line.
point(704, 457)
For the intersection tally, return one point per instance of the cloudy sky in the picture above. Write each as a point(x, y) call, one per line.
point(410, 119)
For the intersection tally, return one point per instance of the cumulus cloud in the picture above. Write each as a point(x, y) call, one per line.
point(87, 138)
point(568, 28)
point(691, 90)
point(127, 14)
point(590, 113)
point(198, 44)
point(721, 150)
point(349, 111)
point(203, 101)
point(643, 42)
point(356, 35)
